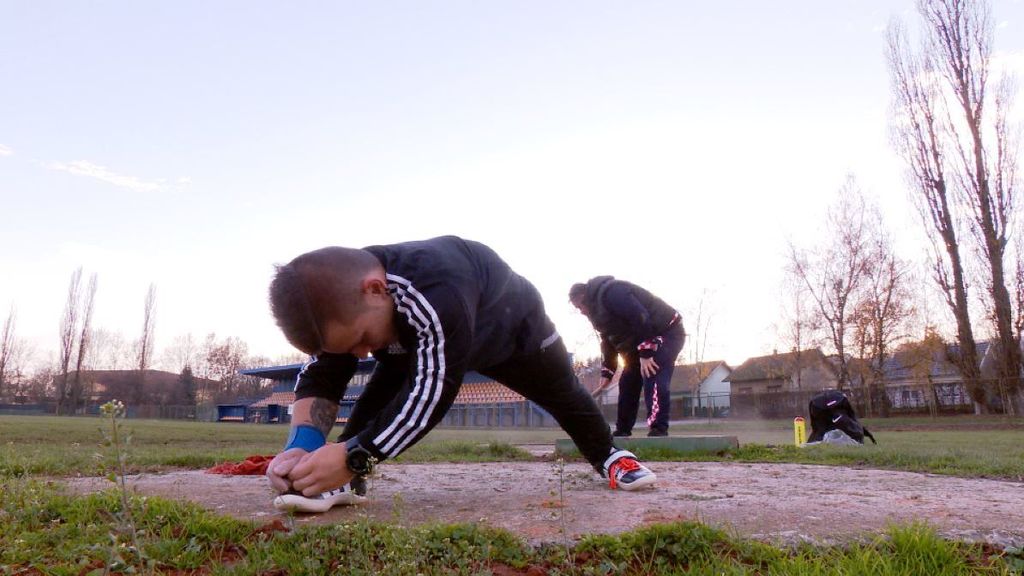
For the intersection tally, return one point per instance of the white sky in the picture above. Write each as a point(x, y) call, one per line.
point(194, 144)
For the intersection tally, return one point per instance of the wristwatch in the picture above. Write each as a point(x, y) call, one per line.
point(359, 460)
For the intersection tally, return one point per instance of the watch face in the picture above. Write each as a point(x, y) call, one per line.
point(359, 462)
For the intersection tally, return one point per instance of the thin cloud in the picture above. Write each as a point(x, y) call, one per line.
point(5, 151)
point(85, 168)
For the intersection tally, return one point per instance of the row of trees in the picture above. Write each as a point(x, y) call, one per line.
point(208, 369)
point(950, 125)
point(852, 293)
point(952, 128)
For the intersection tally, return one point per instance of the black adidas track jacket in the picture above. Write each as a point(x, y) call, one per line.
point(460, 307)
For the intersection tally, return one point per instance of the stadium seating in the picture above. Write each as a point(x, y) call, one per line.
point(486, 393)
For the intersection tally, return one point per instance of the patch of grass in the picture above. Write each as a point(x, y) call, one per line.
point(464, 451)
point(977, 454)
point(972, 453)
point(987, 447)
point(68, 445)
point(60, 446)
point(42, 531)
point(780, 431)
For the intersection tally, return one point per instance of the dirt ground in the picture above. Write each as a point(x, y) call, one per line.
point(543, 502)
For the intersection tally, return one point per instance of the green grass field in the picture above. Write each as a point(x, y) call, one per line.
point(45, 532)
point(965, 446)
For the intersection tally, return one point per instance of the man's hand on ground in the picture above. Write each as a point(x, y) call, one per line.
point(321, 470)
point(281, 466)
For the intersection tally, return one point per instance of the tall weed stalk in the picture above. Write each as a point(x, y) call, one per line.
point(116, 439)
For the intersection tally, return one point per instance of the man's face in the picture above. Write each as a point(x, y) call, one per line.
point(578, 303)
point(372, 330)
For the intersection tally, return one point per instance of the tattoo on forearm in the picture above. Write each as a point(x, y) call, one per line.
point(323, 412)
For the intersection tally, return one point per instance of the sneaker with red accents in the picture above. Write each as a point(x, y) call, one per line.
point(626, 473)
point(294, 502)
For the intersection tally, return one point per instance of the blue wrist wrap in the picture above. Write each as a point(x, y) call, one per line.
point(307, 437)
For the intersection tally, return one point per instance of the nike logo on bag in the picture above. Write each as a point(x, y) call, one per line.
point(836, 419)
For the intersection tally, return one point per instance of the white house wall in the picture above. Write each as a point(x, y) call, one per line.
point(716, 386)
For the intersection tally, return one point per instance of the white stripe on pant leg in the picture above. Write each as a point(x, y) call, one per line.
point(655, 407)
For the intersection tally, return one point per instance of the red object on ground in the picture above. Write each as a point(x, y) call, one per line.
point(251, 466)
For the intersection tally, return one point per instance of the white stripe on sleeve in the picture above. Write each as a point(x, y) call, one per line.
point(430, 372)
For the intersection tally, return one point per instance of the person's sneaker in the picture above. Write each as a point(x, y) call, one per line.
point(618, 434)
point(294, 502)
point(626, 473)
point(657, 433)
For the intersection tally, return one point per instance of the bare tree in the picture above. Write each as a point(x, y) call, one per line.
point(144, 348)
point(800, 321)
point(885, 305)
point(986, 178)
point(222, 361)
point(253, 386)
point(919, 357)
point(833, 272)
point(917, 134)
point(1017, 283)
point(37, 386)
point(68, 337)
point(1018, 290)
point(294, 358)
point(860, 366)
point(182, 353)
point(10, 348)
point(84, 337)
point(110, 350)
point(963, 165)
point(18, 373)
point(698, 339)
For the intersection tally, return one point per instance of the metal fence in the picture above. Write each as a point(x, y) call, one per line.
point(522, 414)
point(710, 406)
point(770, 404)
point(201, 413)
point(918, 397)
point(25, 409)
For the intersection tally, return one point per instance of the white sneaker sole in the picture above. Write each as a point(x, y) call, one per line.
point(323, 503)
point(638, 483)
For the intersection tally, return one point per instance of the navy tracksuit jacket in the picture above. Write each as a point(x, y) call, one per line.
point(635, 324)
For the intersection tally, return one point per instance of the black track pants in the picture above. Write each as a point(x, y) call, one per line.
point(547, 379)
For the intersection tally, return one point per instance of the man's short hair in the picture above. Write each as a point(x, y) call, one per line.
point(577, 291)
point(316, 287)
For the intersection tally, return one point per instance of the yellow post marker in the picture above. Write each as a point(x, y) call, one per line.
point(799, 431)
